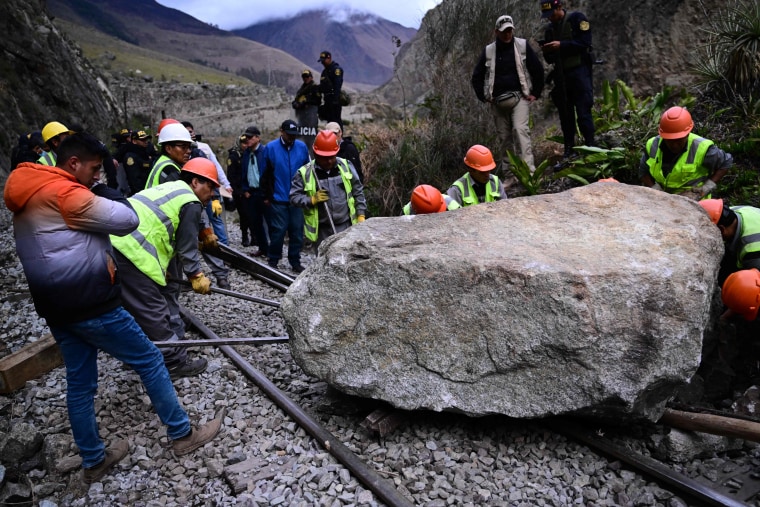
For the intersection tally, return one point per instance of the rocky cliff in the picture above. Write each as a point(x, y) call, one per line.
point(646, 43)
point(44, 77)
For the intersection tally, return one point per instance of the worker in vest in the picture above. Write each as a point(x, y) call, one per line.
point(510, 77)
point(329, 191)
point(52, 135)
point(170, 214)
point(478, 184)
point(428, 199)
point(567, 46)
point(176, 144)
point(740, 228)
point(680, 162)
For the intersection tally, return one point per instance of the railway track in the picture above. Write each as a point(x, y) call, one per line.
point(736, 487)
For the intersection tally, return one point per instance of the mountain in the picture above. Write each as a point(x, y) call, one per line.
point(361, 42)
point(149, 25)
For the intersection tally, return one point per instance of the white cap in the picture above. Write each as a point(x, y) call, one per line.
point(504, 22)
point(334, 127)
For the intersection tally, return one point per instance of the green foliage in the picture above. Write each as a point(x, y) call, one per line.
point(594, 164)
point(533, 182)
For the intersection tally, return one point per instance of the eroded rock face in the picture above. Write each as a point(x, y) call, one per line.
point(594, 299)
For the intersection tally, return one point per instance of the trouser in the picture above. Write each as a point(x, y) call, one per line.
point(511, 117)
point(256, 210)
point(242, 209)
point(573, 94)
point(284, 218)
point(116, 333)
point(155, 308)
point(332, 112)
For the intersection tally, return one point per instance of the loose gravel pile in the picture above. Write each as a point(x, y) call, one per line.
point(434, 459)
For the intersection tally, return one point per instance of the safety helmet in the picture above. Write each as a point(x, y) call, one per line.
point(675, 123)
point(479, 158)
point(326, 144)
point(53, 129)
point(427, 199)
point(174, 132)
point(713, 207)
point(165, 122)
point(741, 292)
point(608, 180)
point(202, 167)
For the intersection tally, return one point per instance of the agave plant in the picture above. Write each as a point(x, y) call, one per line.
point(532, 181)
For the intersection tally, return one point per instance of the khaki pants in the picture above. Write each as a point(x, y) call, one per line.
point(511, 119)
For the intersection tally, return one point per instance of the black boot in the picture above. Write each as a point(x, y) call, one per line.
point(246, 241)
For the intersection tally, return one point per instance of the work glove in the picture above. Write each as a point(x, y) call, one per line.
point(360, 219)
point(707, 188)
point(656, 186)
point(320, 196)
point(208, 240)
point(201, 284)
point(216, 207)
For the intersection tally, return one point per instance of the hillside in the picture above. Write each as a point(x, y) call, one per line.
point(362, 43)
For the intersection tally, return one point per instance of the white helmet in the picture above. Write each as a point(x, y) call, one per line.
point(174, 132)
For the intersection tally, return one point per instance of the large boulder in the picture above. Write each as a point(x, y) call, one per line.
point(591, 300)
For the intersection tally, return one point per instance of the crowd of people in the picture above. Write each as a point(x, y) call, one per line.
point(135, 223)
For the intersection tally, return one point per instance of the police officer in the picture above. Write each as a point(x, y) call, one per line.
point(567, 46)
point(137, 162)
point(330, 85)
point(306, 105)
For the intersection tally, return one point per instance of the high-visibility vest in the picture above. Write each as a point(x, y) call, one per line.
point(451, 204)
point(150, 247)
point(749, 241)
point(163, 162)
point(688, 170)
point(311, 214)
point(469, 197)
point(48, 158)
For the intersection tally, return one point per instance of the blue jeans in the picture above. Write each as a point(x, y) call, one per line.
point(285, 218)
point(116, 333)
point(217, 224)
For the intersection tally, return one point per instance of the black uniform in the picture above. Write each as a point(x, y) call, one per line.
point(573, 91)
point(137, 164)
point(330, 84)
point(235, 175)
point(349, 151)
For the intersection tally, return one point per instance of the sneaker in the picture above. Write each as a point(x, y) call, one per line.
point(223, 283)
point(259, 253)
point(114, 454)
point(198, 437)
point(189, 368)
point(298, 268)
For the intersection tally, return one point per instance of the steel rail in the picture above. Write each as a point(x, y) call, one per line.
point(257, 269)
point(380, 486)
point(659, 471)
point(264, 340)
point(238, 295)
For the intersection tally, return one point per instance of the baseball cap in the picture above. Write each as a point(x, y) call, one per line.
point(306, 72)
point(504, 22)
point(323, 55)
point(251, 131)
point(141, 134)
point(547, 6)
point(289, 127)
point(334, 128)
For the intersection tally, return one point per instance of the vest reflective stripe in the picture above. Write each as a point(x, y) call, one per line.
point(688, 170)
point(468, 193)
point(151, 246)
point(48, 158)
point(520, 59)
point(311, 214)
point(154, 178)
point(749, 242)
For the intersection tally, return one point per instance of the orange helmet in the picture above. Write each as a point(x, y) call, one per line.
point(675, 123)
point(165, 122)
point(202, 167)
point(713, 207)
point(741, 292)
point(326, 144)
point(608, 180)
point(479, 158)
point(427, 199)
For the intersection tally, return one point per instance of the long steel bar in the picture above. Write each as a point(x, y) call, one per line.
point(239, 295)
point(645, 464)
point(265, 340)
point(384, 490)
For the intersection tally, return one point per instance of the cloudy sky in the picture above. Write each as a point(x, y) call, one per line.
point(229, 15)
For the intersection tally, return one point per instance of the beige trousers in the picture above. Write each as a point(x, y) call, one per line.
point(511, 119)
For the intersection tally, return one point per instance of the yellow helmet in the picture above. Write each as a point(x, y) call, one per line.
point(53, 129)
